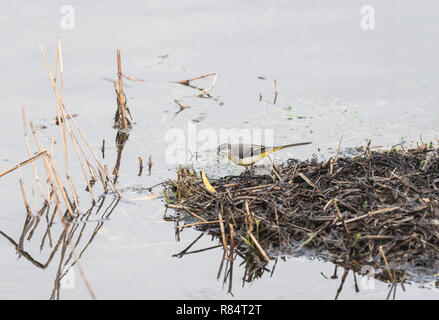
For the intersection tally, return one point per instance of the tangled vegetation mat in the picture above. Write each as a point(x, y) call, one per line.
point(377, 209)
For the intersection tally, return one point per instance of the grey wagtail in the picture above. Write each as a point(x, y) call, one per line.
point(248, 154)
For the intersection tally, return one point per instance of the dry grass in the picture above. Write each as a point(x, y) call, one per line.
point(60, 191)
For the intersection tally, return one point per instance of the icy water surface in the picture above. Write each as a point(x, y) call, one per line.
point(334, 79)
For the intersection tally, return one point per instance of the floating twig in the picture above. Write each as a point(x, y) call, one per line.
point(132, 78)
point(187, 81)
point(276, 91)
point(140, 166)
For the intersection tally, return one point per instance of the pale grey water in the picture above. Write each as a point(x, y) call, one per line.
point(339, 79)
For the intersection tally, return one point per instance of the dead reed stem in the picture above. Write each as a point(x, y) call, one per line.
point(342, 219)
point(195, 224)
point(103, 149)
point(46, 166)
point(187, 81)
point(37, 179)
point(182, 106)
point(24, 194)
point(61, 67)
point(262, 252)
point(140, 166)
point(113, 187)
point(188, 211)
point(210, 88)
point(338, 151)
point(120, 94)
point(231, 242)
point(60, 185)
point(221, 224)
point(387, 265)
point(78, 152)
point(127, 76)
point(21, 164)
point(370, 214)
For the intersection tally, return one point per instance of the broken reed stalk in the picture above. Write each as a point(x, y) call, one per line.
point(210, 88)
point(231, 246)
point(187, 210)
point(103, 149)
point(370, 214)
point(121, 139)
point(62, 127)
point(121, 113)
point(78, 149)
point(47, 167)
point(387, 264)
point(61, 68)
point(221, 224)
point(232, 241)
point(195, 224)
point(140, 166)
point(338, 151)
point(127, 76)
point(276, 91)
point(35, 205)
point(342, 219)
point(261, 251)
point(101, 175)
point(182, 106)
point(55, 73)
point(24, 194)
point(37, 179)
point(78, 152)
point(61, 186)
point(21, 164)
point(275, 168)
point(187, 81)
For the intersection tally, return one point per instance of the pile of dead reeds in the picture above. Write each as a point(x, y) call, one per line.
point(379, 209)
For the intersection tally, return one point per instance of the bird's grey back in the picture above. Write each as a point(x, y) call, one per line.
point(244, 150)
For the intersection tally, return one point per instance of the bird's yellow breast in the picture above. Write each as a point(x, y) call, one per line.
point(246, 161)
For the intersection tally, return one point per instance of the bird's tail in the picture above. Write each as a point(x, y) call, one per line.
point(290, 145)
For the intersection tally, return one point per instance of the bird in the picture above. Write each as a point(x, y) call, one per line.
point(248, 154)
